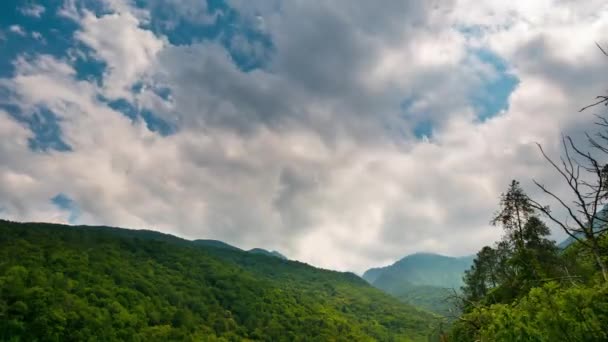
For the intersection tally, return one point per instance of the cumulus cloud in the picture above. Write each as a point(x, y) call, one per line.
point(16, 29)
point(127, 49)
point(314, 152)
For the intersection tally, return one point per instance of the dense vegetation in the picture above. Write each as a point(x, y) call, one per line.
point(62, 283)
point(527, 289)
point(432, 298)
point(422, 279)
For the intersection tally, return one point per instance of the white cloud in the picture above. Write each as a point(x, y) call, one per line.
point(38, 36)
point(127, 49)
point(16, 29)
point(311, 156)
point(33, 10)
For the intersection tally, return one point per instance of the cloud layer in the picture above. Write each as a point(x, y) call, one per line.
point(342, 134)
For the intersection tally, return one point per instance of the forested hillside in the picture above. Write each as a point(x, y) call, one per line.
point(64, 283)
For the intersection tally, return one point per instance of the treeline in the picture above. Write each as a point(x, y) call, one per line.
point(61, 283)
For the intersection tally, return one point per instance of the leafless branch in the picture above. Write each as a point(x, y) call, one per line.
point(603, 99)
point(601, 49)
point(547, 212)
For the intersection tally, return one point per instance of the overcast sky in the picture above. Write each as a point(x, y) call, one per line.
point(345, 134)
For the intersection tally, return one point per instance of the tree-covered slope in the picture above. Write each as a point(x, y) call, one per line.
point(63, 283)
point(432, 298)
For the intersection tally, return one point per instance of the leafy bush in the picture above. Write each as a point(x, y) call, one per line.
point(548, 313)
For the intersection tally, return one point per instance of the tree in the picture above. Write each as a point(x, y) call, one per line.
point(515, 211)
point(531, 252)
point(538, 258)
point(482, 275)
point(520, 261)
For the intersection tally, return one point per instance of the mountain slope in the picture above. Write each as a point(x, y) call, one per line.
point(421, 279)
point(77, 283)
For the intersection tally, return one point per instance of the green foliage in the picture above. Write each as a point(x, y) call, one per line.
point(431, 298)
point(515, 210)
point(547, 313)
point(60, 283)
point(523, 259)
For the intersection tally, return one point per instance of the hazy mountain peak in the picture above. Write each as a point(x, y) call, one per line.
point(423, 279)
point(420, 268)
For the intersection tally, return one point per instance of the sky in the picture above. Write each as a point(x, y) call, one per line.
point(345, 134)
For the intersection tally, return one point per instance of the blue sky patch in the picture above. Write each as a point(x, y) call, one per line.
point(156, 123)
point(493, 95)
point(470, 31)
point(423, 129)
point(153, 121)
point(163, 92)
point(50, 34)
point(123, 106)
point(65, 203)
point(487, 100)
point(248, 47)
point(45, 126)
point(88, 68)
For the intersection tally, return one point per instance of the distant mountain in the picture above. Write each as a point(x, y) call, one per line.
point(421, 269)
point(373, 273)
point(567, 242)
point(68, 283)
point(422, 279)
point(269, 253)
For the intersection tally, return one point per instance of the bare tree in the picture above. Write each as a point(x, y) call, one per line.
point(587, 179)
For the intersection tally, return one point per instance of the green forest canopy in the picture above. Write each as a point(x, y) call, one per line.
point(63, 283)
